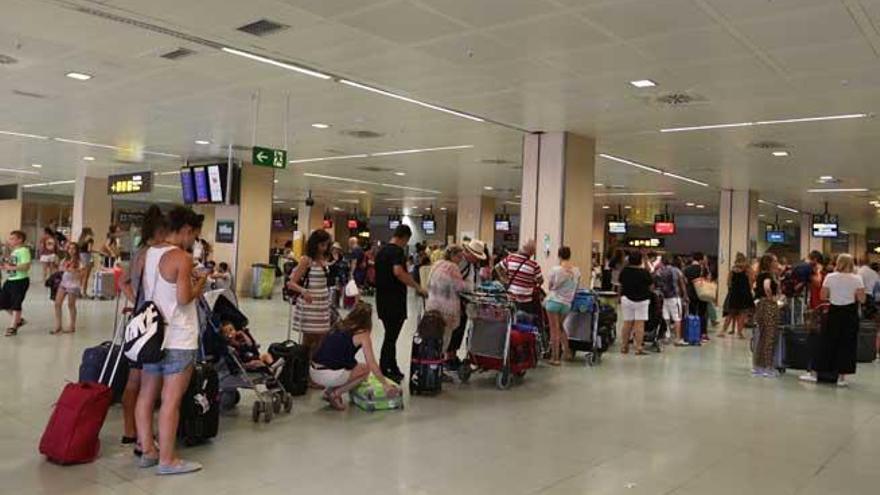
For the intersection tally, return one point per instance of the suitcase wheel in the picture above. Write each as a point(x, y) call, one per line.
point(464, 371)
point(287, 401)
point(502, 380)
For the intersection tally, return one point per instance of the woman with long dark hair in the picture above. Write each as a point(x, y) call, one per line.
point(86, 245)
point(153, 232)
point(766, 316)
point(740, 300)
point(311, 280)
point(334, 366)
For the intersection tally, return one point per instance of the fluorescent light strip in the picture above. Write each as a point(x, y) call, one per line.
point(686, 179)
point(173, 172)
point(167, 186)
point(53, 183)
point(23, 134)
point(768, 122)
point(87, 143)
point(631, 163)
point(838, 190)
point(785, 208)
point(407, 188)
point(422, 150)
point(158, 153)
point(276, 63)
point(409, 100)
point(326, 158)
point(17, 171)
point(658, 193)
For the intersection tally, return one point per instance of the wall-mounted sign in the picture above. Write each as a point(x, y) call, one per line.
point(140, 182)
point(646, 242)
point(225, 232)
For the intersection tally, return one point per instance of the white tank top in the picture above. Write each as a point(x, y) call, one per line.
point(182, 321)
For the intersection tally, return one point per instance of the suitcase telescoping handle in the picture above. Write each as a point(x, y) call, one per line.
point(119, 332)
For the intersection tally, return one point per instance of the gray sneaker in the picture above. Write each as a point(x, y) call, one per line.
point(180, 467)
point(147, 462)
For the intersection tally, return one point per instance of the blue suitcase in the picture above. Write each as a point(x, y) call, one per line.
point(692, 330)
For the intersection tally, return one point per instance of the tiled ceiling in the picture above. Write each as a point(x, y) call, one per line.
point(531, 64)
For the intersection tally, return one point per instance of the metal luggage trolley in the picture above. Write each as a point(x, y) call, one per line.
point(490, 318)
point(581, 325)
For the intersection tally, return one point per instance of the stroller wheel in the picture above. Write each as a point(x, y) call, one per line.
point(288, 403)
point(256, 410)
point(267, 413)
point(276, 404)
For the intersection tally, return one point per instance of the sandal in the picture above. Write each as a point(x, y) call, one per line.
point(72, 330)
point(11, 331)
point(337, 402)
point(642, 352)
point(554, 362)
point(56, 331)
point(22, 322)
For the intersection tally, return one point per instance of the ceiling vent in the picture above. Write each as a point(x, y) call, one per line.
point(361, 134)
point(373, 168)
point(263, 27)
point(676, 100)
point(28, 94)
point(767, 145)
point(7, 60)
point(177, 54)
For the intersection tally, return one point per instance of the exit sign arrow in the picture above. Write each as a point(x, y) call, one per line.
point(269, 157)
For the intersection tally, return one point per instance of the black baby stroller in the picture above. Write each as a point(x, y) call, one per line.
point(271, 397)
point(655, 327)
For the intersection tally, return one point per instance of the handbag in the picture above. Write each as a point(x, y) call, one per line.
point(145, 332)
point(706, 290)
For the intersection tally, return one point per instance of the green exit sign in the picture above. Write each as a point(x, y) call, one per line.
point(268, 157)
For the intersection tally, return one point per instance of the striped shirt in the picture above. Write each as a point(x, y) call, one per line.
point(525, 277)
point(314, 317)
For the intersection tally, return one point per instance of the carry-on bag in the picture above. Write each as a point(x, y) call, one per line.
point(692, 329)
point(798, 342)
point(105, 285)
point(93, 359)
point(72, 434)
point(294, 376)
point(200, 407)
point(866, 352)
point(370, 396)
point(426, 366)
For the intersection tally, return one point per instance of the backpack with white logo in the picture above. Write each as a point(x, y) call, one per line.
point(145, 332)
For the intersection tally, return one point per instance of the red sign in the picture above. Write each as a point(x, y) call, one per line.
point(352, 224)
point(328, 224)
point(664, 228)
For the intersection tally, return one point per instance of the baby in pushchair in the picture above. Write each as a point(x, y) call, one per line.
point(244, 367)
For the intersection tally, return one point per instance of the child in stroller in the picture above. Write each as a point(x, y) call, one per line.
point(244, 367)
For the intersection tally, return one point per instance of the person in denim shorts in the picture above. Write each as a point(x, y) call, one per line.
point(171, 283)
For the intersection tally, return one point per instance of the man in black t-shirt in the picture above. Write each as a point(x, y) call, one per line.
point(392, 280)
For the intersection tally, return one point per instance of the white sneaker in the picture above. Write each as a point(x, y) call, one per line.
point(842, 383)
point(807, 378)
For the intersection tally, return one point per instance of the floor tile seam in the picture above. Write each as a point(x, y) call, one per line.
point(599, 463)
point(694, 476)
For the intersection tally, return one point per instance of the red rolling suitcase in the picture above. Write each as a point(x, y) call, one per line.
point(71, 436)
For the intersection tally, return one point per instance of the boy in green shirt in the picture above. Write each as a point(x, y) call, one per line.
point(17, 279)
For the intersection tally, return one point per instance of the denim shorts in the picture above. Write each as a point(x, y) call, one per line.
point(175, 361)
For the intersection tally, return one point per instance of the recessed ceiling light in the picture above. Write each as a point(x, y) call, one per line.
point(36, 165)
point(789, 221)
point(400, 174)
point(780, 153)
point(826, 177)
point(488, 188)
point(336, 208)
point(275, 181)
point(689, 204)
point(292, 208)
point(318, 125)
point(605, 207)
point(643, 83)
point(627, 207)
point(89, 158)
point(79, 76)
point(599, 184)
point(761, 215)
point(701, 206)
point(442, 208)
point(202, 141)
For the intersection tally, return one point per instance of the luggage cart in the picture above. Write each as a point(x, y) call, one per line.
point(581, 325)
point(490, 319)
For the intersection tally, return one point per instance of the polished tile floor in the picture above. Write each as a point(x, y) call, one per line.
point(687, 421)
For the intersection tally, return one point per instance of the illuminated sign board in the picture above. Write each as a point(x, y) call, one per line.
point(140, 182)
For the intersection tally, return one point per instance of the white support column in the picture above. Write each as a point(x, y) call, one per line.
point(476, 219)
point(92, 206)
point(737, 232)
point(808, 242)
point(557, 196)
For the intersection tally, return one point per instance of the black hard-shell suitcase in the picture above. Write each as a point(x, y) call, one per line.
point(426, 366)
point(294, 375)
point(867, 347)
point(200, 408)
point(798, 346)
point(93, 359)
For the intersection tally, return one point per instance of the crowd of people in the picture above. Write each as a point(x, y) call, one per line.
point(172, 267)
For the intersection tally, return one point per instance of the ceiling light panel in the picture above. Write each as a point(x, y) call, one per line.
point(839, 190)
point(276, 63)
point(768, 122)
point(643, 83)
point(79, 76)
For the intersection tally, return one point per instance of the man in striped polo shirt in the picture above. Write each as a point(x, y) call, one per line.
point(524, 278)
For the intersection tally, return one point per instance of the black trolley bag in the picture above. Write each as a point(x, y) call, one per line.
point(294, 375)
point(93, 359)
point(426, 362)
point(200, 406)
point(867, 344)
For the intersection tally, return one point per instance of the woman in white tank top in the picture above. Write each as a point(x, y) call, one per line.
point(170, 282)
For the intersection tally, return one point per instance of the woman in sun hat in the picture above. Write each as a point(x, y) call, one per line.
point(472, 253)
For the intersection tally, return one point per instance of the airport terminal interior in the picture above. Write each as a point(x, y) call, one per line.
point(701, 169)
